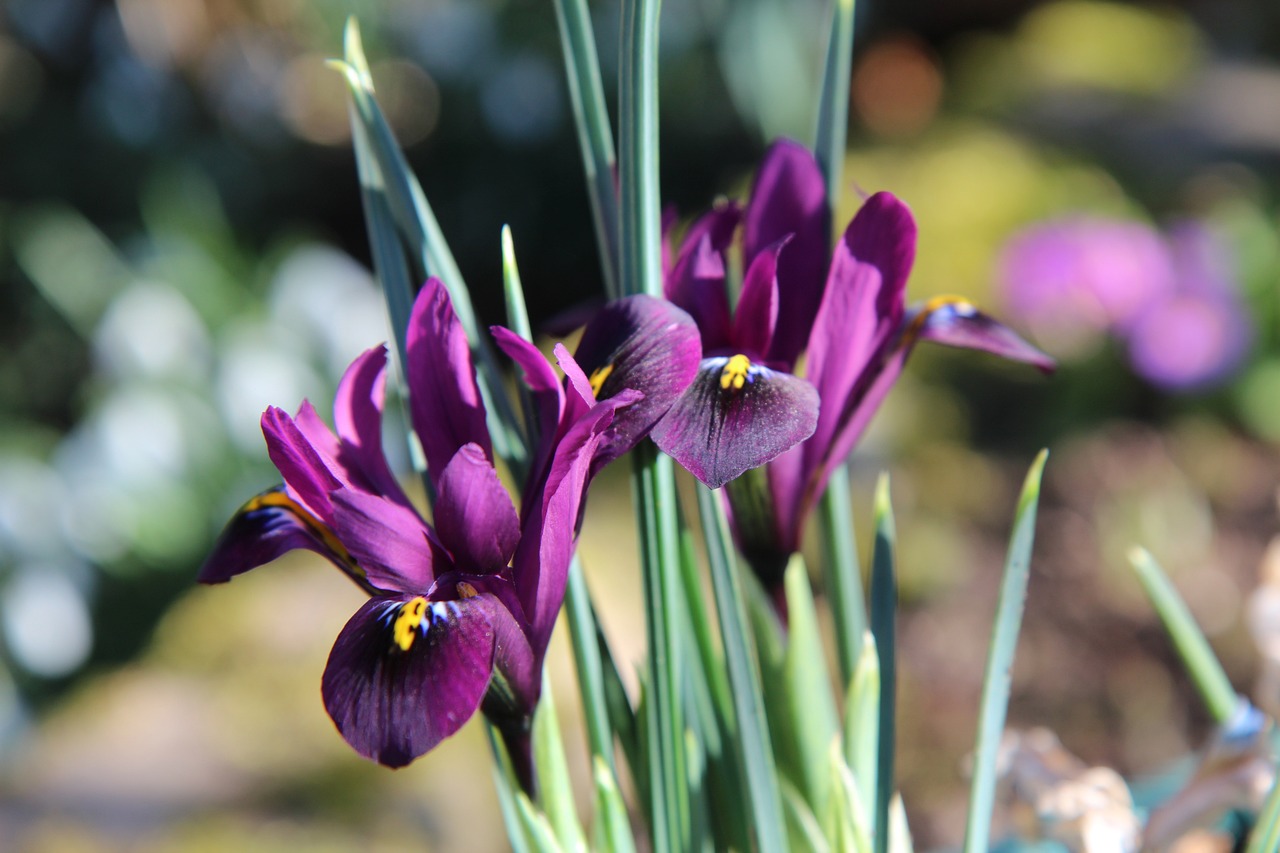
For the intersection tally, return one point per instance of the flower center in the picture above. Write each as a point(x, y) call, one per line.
point(736, 373)
point(598, 378)
point(412, 614)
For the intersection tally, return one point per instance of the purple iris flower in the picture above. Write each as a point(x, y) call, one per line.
point(848, 318)
point(460, 611)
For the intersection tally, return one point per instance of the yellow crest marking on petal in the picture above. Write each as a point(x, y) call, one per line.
point(734, 374)
point(466, 590)
point(926, 310)
point(412, 614)
point(598, 377)
point(281, 500)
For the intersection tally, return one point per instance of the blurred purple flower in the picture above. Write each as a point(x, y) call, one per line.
point(460, 612)
point(1199, 333)
point(1171, 300)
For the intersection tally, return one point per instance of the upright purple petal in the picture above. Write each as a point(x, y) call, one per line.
point(956, 322)
point(406, 673)
point(643, 344)
point(790, 198)
point(268, 526)
point(861, 311)
point(475, 519)
point(444, 399)
point(736, 416)
point(357, 415)
point(541, 563)
point(539, 376)
point(756, 317)
point(303, 468)
point(390, 541)
point(696, 282)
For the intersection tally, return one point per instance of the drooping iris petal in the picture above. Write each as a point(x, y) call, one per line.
point(405, 673)
point(861, 312)
point(539, 375)
point(955, 322)
point(390, 541)
point(756, 317)
point(790, 198)
point(266, 527)
point(474, 516)
point(357, 415)
point(646, 345)
point(444, 400)
point(736, 415)
point(303, 469)
point(696, 282)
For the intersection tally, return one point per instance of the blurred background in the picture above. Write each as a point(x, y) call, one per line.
point(181, 244)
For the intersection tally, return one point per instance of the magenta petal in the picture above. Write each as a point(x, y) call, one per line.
point(734, 417)
point(406, 673)
point(757, 314)
point(475, 519)
point(266, 527)
point(646, 345)
point(696, 282)
point(390, 541)
point(955, 322)
point(539, 375)
point(444, 399)
point(302, 467)
point(790, 198)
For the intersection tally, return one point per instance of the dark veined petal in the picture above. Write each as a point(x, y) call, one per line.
point(266, 527)
point(474, 517)
point(643, 344)
point(756, 317)
point(956, 322)
point(790, 198)
point(735, 416)
point(405, 673)
point(391, 542)
point(444, 399)
point(696, 282)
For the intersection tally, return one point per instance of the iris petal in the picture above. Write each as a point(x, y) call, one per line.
point(646, 345)
point(955, 322)
point(444, 401)
point(735, 416)
point(696, 282)
point(391, 542)
point(266, 527)
point(405, 673)
point(474, 517)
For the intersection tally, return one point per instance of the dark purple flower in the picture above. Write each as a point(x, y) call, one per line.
point(848, 317)
point(460, 611)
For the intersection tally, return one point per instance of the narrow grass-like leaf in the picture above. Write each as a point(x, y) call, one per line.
point(833, 102)
point(862, 720)
point(846, 819)
point(595, 136)
point(555, 788)
point(812, 720)
point(884, 609)
point(622, 718)
point(899, 830)
point(640, 229)
point(538, 831)
point(1265, 837)
point(842, 573)
point(654, 479)
point(586, 658)
point(999, 675)
point(1196, 653)
point(760, 776)
point(507, 788)
point(613, 829)
point(421, 234)
point(804, 832)
point(518, 322)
